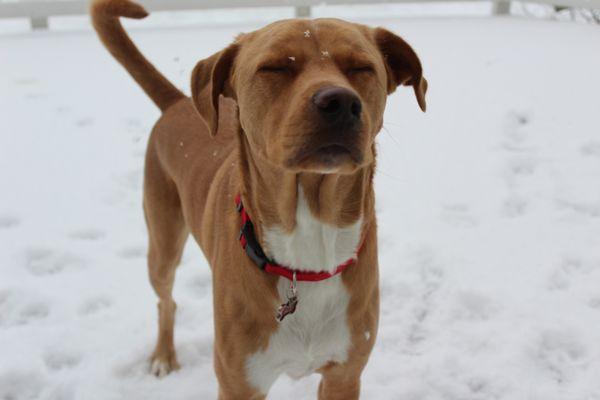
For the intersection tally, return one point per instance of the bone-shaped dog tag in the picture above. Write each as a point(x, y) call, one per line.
point(288, 307)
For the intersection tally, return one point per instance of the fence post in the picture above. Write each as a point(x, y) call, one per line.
point(39, 22)
point(501, 7)
point(302, 11)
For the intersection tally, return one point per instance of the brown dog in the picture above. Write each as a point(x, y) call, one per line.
point(295, 140)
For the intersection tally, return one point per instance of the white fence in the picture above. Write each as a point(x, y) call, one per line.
point(38, 11)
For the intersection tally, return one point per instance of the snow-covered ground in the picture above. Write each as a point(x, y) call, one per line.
point(488, 204)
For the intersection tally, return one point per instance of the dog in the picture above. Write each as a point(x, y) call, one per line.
point(269, 165)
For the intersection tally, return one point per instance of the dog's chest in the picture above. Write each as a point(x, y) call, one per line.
point(317, 332)
point(307, 339)
point(313, 245)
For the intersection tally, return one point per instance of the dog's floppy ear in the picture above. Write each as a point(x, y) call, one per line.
point(402, 64)
point(209, 80)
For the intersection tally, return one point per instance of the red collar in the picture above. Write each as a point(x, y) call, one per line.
point(255, 252)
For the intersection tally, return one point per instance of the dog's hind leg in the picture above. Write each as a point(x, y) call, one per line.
point(167, 237)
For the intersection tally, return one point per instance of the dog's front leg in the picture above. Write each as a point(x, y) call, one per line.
point(341, 381)
point(233, 384)
point(225, 394)
point(339, 384)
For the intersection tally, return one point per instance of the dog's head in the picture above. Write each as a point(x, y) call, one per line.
point(310, 94)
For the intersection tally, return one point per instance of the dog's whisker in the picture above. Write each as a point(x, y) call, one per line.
point(387, 175)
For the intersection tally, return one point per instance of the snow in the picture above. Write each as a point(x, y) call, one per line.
point(488, 205)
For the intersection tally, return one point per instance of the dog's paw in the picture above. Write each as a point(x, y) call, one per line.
point(161, 366)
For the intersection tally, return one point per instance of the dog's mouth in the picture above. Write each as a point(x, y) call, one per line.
point(332, 150)
point(327, 157)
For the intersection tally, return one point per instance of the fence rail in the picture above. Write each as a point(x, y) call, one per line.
point(38, 11)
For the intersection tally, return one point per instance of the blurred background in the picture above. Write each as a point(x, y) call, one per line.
point(19, 15)
point(488, 204)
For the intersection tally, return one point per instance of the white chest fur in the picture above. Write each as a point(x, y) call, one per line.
point(313, 245)
point(318, 331)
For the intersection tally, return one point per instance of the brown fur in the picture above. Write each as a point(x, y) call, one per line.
point(204, 151)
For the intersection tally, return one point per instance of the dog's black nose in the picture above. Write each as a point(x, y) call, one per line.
point(338, 104)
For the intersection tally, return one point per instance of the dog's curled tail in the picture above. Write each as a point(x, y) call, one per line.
point(105, 18)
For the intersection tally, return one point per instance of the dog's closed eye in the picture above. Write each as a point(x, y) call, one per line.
point(274, 68)
point(361, 69)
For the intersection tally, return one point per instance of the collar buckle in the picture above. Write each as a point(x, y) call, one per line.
point(250, 244)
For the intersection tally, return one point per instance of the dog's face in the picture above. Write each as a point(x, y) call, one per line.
point(310, 94)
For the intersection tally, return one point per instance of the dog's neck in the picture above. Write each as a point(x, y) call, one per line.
point(305, 220)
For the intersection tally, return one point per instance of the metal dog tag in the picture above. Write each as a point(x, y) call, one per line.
point(288, 307)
